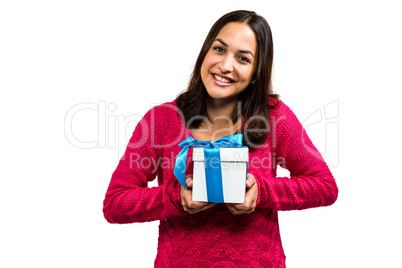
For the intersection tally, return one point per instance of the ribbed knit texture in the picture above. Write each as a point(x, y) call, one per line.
point(216, 238)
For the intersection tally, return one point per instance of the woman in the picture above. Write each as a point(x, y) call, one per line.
point(229, 92)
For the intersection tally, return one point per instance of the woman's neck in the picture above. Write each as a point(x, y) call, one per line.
point(220, 110)
point(220, 121)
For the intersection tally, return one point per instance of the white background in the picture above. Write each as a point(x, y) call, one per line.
point(127, 56)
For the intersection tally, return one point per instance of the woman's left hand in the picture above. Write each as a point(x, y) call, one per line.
point(250, 199)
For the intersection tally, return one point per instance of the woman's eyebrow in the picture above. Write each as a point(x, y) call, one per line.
point(221, 41)
point(241, 51)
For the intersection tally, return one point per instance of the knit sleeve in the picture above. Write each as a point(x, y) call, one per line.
point(128, 198)
point(311, 183)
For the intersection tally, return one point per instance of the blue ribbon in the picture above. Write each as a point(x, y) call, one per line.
point(212, 158)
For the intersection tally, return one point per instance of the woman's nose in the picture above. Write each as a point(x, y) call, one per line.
point(226, 65)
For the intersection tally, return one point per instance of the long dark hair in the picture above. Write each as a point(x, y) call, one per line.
point(253, 101)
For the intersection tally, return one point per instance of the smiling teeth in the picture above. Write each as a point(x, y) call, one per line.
point(219, 78)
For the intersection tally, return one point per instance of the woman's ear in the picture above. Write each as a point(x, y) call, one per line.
point(253, 79)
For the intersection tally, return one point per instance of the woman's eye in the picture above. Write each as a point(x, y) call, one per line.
point(219, 49)
point(245, 59)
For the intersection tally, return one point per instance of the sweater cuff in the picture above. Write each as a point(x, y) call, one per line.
point(260, 189)
point(175, 206)
point(176, 198)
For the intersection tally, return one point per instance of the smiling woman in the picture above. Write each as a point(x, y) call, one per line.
point(229, 64)
point(229, 97)
point(235, 63)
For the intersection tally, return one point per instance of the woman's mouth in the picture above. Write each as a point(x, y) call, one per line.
point(222, 81)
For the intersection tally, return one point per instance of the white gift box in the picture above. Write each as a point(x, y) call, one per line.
point(234, 163)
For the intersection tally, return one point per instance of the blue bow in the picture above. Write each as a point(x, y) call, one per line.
point(212, 158)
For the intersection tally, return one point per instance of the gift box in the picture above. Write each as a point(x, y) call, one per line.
point(227, 187)
point(219, 171)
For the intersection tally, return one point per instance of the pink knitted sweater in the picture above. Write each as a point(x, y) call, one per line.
point(216, 238)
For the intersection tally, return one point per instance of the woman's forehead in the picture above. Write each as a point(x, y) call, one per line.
point(239, 35)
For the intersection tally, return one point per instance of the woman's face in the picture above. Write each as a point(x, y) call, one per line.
point(229, 65)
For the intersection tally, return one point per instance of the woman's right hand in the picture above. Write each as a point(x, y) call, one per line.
point(189, 205)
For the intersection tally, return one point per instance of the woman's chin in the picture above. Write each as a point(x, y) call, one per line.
point(222, 98)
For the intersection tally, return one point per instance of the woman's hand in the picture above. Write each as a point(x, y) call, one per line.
point(189, 205)
point(250, 199)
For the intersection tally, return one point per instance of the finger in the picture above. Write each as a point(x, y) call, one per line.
point(241, 207)
point(238, 209)
point(197, 204)
point(250, 181)
point(248, 200)
point(193, 210)
point(189, 181)
point(208, 206)
point(249, 205)
point(232, 209)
